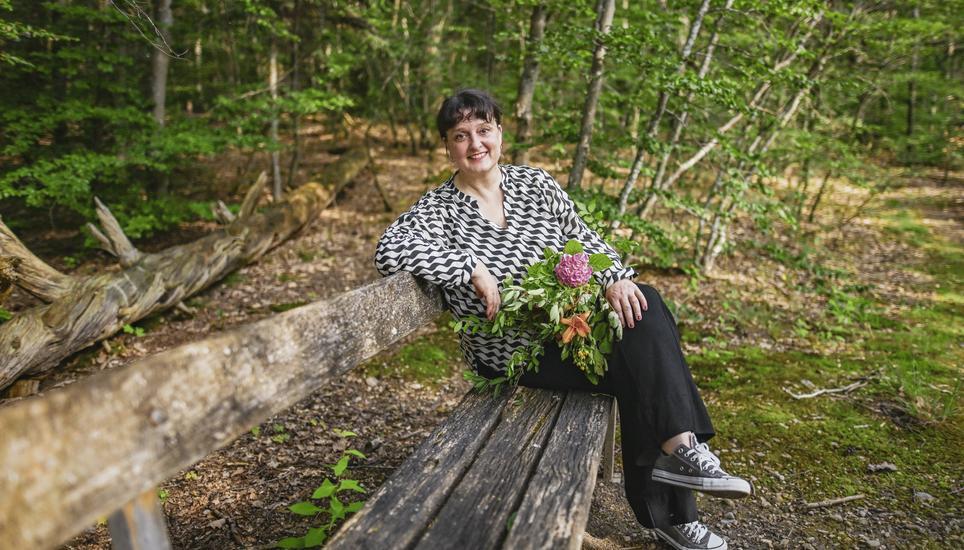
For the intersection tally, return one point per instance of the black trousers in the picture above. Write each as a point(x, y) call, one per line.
point(657, 399)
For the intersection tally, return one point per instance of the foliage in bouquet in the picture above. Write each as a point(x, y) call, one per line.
point(557, 300)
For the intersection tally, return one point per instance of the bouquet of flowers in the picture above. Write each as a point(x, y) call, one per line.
point(558, 299)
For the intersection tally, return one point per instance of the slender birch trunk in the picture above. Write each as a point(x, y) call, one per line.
point(653, 126)
point(759, 95)
point(605, 10)
point(276, 189)
point(527, 84)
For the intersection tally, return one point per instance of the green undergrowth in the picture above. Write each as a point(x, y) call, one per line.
point(428, 359)
point(908, 413)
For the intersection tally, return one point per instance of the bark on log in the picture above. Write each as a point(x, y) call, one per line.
point(96, 307)
point(81, 452)
point(86, 310)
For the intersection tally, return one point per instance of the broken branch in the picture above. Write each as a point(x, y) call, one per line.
point(832, 502)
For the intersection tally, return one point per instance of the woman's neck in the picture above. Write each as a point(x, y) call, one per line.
point(480, 185)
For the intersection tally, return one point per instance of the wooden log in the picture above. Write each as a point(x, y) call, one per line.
point(609, 447)
point(555, 508)
point(80, 452)
point(139, 524)
point(22, 268)
point(395, 516)
point(478, 512)
point(88, 309)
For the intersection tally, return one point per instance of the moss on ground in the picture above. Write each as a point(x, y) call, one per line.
point(909, 413)
point(429, 359)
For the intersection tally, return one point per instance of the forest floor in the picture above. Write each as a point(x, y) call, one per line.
point(876, 300)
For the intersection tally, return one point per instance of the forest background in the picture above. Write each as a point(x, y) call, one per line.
point(705, 139)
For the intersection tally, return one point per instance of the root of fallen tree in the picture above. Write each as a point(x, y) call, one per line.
point(80, 311)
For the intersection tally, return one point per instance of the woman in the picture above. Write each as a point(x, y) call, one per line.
point(488, 221)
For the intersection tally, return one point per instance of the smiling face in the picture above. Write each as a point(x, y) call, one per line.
point(475, 145)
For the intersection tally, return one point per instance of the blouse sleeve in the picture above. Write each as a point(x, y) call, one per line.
point(415, 243)
point(573, 227)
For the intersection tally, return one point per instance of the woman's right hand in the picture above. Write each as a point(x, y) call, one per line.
point(487, 288)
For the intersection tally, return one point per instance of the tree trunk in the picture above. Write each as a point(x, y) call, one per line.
point(912, 83)
point(277, 190)
point(604, 20)
point(83, 310)
point(160, 62)
point(527, 85)
point(817, 199)
point(759, 95)
point(293, 87)
point(653, 127)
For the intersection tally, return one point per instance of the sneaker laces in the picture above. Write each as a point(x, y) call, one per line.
point(707, 460)
point(694, 530)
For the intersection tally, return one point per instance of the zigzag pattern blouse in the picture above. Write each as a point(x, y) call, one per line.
point(444, 234)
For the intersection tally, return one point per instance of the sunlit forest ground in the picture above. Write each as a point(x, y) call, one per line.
point(869, 308)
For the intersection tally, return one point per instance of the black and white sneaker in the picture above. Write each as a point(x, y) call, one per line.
point(691, 536)
point(699, 469)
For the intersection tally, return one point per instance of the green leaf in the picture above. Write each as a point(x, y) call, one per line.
point(341, 466)
point(344, 433)
point(356, 453)
point(573, 247)
point(315, 537)
point(5, 315)
point(337, 506)
point(326, 489)
point(355, 506)
point(337, 509)
point(304, 508)
point(350, 485)
point(600, 262)
point(291, 542)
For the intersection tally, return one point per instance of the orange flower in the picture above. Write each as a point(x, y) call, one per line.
point(577, 324)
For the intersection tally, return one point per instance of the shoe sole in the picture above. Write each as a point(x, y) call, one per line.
point(669, 540)
point(723, 488)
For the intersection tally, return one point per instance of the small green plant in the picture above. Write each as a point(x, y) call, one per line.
point(232, 279)
point(256, 431)
point(331, 506)
point(131, 329)
point(191, 476)
point(306, 255)
point(162, 495)
point(4, 315)
point(280, 435)
point(71, 261)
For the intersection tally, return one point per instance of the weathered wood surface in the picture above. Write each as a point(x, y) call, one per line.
point(555, 508)
point(609, 447)
point(97, 306)
point(83, 310)
point(489, 465)
point(477, 513)
point(139, 524)
point(80, 452)
point(396, 515)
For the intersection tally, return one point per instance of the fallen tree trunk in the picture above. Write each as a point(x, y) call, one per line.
point(80, 452)
point(80, 311)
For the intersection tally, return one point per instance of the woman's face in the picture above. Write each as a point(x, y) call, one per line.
point(474, 145)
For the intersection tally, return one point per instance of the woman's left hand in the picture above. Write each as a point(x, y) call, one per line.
point(627, 301)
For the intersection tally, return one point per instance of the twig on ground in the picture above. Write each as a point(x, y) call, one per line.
point(844, 389)
point(832, 502)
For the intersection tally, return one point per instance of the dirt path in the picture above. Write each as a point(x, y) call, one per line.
point(237, 497)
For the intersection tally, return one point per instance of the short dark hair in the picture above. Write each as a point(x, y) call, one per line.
point(467, 104)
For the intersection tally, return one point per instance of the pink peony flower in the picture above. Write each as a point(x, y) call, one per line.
point(573, 269)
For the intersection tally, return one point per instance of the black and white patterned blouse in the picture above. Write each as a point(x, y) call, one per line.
point(444, 234)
